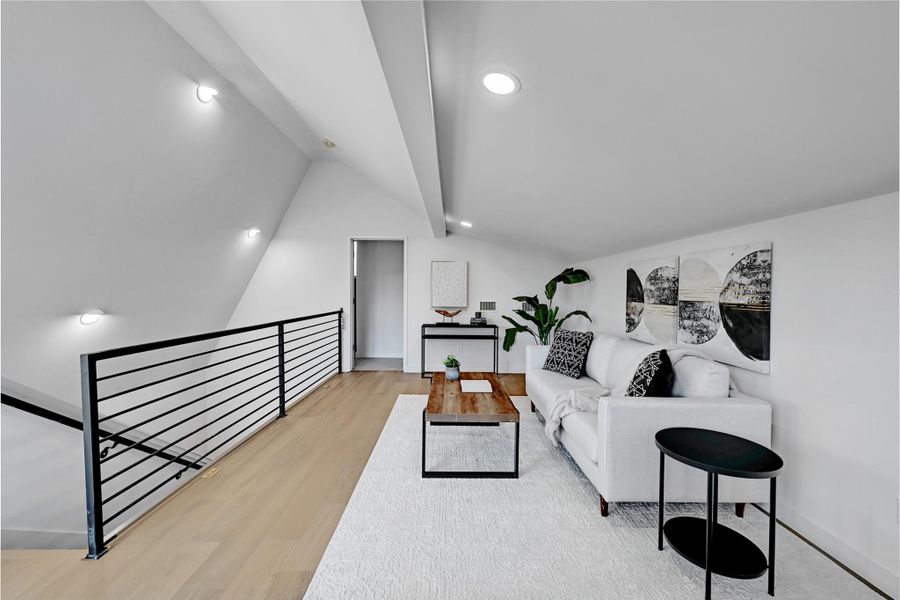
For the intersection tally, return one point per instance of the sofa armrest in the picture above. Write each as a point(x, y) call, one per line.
point(628, 458)
point(535, 356)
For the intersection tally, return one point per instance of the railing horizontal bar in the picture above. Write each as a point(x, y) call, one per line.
point(332, 343)
point(193, 416)
point(308, 378)
point(110, 519)
point(203, 368)
point(128, 350)
point(307, 337)
point(182, 438)
point(196, 400)
point(311, 326)
point(327, 358)
point(333, 365)
point(182, 390)
point(180, 358)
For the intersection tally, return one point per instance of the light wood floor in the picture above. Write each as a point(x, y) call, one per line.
point(257, 529)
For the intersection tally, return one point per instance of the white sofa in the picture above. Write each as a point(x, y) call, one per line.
point(616, 447)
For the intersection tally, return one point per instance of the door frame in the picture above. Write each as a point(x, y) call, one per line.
point(350, 323)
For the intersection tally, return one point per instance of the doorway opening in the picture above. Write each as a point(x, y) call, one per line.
point(378, 299)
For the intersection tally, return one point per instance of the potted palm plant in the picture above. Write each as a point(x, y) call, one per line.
point(452, 368)
point(544, 318)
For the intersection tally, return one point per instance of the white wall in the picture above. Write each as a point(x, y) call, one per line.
point(833, 383)
point(120, 191)
point(379, 298)
point(302, 271)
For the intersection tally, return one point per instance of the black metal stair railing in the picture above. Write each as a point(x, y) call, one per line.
point(183, 403)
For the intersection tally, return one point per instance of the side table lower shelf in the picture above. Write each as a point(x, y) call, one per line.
point(735, 556)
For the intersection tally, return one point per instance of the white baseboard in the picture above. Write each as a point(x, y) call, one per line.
point(42, 540)
point(876, 574)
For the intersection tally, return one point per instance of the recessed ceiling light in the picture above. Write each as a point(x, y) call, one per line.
point(252, 233)
point(500, 83)
point(91, 316)
point(205, 94)
point(465, 223)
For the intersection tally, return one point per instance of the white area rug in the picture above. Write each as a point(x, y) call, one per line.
point(539, 536)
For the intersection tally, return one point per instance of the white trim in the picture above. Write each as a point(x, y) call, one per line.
point(878, 575)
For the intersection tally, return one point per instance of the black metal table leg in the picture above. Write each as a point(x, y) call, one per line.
point(516, 468)
point(424, 424)
point(662, 487)
point(710, 526)
point(772, 536)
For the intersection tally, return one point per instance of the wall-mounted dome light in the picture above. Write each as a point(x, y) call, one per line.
point(205, 94)
point(465, 223)
point(252, 233)
point(498, 82)
point(91, 316)
point(328, 143)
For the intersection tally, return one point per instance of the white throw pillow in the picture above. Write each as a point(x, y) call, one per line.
point(697, 377)
point(624, 360)
point(598, 357)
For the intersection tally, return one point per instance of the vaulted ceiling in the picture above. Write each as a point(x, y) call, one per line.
point(636, 122)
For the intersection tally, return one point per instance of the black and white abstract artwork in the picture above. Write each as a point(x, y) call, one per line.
point(651, 300)
point(724, 301)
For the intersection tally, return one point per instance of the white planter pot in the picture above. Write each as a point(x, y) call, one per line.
point(452, 373)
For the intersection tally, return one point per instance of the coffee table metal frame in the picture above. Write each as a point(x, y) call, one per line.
point(471, 419)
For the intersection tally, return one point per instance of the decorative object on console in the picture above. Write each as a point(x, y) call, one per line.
point(651, 300)
point(449, 284)
point(569, 351)
point(478, 319)
point(724, 301)
point(447, 314)
point(653, 377)
point(452, 364)
point(544, 316)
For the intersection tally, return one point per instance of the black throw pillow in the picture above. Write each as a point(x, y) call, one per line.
point(653, 378)
point(568, 352)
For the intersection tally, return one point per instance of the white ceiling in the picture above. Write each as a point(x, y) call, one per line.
point(639, 123)
point(321, 57)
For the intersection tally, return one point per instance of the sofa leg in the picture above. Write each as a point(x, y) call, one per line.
point(739, 509)
point(604, 507)
point(532, 407)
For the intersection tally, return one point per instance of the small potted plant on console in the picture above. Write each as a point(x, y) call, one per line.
point(452, 364)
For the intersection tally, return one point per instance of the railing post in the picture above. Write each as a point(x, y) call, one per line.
point(281, 399)
point(93, 492)
point(341, 340)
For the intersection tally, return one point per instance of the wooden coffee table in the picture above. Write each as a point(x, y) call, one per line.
point(448, 405)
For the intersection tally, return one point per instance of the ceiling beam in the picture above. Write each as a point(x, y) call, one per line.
point(398, 30)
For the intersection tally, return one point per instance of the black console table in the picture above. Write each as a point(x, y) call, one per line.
point(433, 331)
point(705, 543)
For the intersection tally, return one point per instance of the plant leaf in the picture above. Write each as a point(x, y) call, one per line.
point(569, 275)
point(580, 313)
point(510, 337)
point(529, 317)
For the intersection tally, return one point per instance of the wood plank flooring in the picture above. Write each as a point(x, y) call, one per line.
point(256, 530)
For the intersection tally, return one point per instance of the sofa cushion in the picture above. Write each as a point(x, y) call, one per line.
point(582, 426)
point(597, 364)
point(568, 352)
point(625, 357)
point(653, 377)
point(544, 387)
point(697, 377)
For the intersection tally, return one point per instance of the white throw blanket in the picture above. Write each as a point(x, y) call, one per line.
point(588, 399)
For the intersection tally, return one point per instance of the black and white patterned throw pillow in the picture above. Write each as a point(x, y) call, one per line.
point(653, 377)
point(568, 352)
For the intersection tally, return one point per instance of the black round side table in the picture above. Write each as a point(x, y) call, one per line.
point(695, 539)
